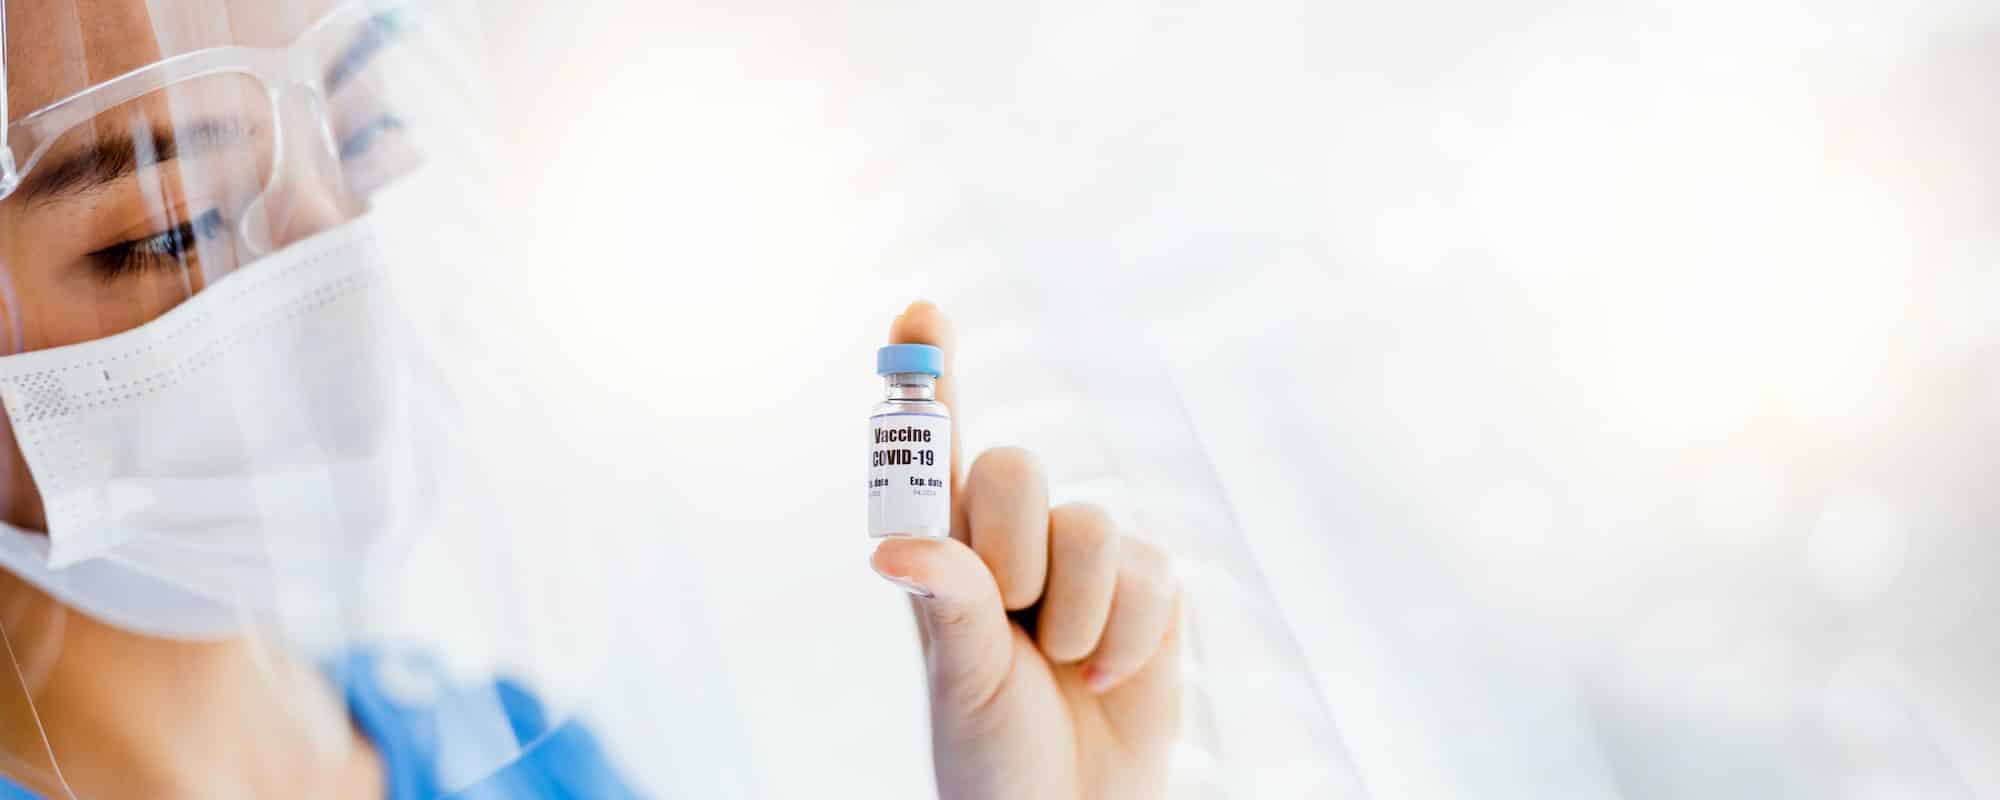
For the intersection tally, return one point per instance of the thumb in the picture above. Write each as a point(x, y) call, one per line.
point(969, 641)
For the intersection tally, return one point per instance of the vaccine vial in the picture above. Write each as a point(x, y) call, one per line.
point(909, 454)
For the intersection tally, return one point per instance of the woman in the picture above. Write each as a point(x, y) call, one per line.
point(208, 468)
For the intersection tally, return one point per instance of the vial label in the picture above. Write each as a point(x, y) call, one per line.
point(909, 475)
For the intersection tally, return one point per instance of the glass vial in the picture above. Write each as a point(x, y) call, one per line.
point(909, 453)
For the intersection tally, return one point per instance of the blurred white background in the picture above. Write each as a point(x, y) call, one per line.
point(1596, 399)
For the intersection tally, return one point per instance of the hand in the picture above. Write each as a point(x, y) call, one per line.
point(1084, 700)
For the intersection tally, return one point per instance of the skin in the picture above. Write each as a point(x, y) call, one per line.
point(1085, 707)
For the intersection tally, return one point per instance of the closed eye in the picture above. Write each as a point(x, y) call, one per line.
point(168, 249)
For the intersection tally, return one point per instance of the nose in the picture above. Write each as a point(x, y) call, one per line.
point(307, 191)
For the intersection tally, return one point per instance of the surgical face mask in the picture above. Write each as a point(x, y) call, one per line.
point(245, 454)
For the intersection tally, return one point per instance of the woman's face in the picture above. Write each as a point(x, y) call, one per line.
point(131, 213)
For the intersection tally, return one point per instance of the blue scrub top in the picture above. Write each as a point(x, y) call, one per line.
point(402, 705)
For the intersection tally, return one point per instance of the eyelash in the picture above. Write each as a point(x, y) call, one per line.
point(168, 249)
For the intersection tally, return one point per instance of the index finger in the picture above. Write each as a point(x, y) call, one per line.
point(923, 323)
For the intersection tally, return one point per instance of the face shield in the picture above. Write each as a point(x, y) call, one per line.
point(232, 241)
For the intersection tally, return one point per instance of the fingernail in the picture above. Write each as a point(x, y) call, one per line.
point(905, 584)
point(910, 586)
point(1097, 680)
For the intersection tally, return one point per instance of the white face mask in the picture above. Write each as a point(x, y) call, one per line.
point(242, 456)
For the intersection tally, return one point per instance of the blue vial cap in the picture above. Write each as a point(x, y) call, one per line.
point(909, 358)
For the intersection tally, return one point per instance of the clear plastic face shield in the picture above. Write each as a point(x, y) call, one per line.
point(231, 434)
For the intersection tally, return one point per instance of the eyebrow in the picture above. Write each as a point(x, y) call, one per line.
point(377, 32)
point(116, 157)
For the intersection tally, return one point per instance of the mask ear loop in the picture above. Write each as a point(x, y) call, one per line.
point(28, 696)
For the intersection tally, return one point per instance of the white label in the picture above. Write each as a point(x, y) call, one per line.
point(909, 475)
